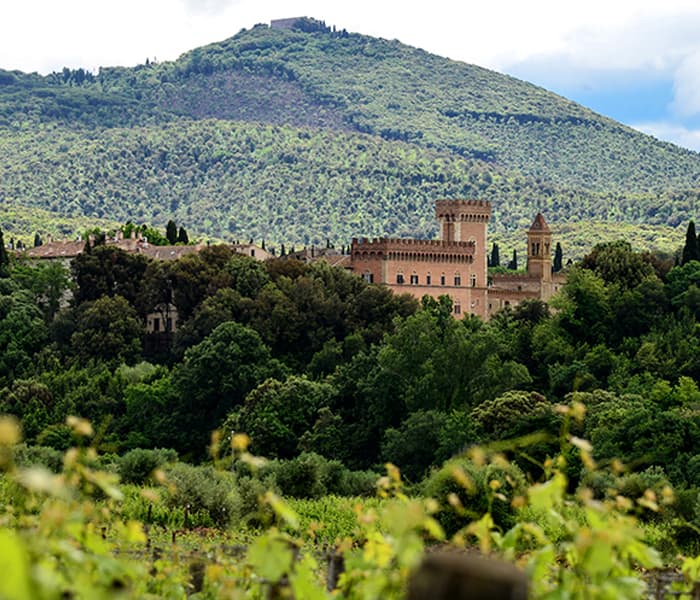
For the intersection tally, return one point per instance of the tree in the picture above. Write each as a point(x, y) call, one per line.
point(690, 249)
point(107, 329)
point(513, 264)
point(4, 258)
point(584, 307)
point(108, 271)
point(616, 263)
point(557, 264)
point(495, 260)
point(413, 445)
point(37, 240)
point(276, 414)
point(513, 414)
point(182, 237)
point(22, 331)
point(214, 378)
point(171, 232)
point(48, 281)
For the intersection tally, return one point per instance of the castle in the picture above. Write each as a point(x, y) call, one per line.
point(456, 264)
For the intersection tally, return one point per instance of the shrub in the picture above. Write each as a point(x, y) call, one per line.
point(477, 496)
point(34, 456)
point(137, 465)
point(311, 475)
point(203, 488)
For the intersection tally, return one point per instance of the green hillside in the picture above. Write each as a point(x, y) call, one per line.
point(299, 136)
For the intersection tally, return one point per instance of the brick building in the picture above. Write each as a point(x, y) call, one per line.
point(456, 264)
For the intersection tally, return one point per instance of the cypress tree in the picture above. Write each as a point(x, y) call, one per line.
point(171, 232)
point(182, 237)
point(4, 258)
point(37, 240)
point(690, 249)
point(495, 256)
point(557, 265)
point(513, 264)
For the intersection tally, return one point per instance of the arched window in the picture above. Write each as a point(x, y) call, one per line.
point(458, 279)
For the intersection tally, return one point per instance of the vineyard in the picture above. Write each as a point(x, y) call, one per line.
point(80, 533)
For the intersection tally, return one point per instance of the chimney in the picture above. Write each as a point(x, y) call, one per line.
point(120, 235)
point(49, 239)
point(133, 234)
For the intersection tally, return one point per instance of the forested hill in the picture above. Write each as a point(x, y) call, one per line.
point(313, 133)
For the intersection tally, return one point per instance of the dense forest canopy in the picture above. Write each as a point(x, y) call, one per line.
point(300, 135)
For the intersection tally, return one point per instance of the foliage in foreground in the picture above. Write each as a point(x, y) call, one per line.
point(67, 533)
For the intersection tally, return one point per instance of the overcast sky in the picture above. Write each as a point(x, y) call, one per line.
point(637, 61)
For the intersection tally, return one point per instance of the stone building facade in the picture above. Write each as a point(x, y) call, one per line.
point(456, 264)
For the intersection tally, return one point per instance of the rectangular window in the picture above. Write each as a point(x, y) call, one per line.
point(168, 324)
point(458, 280)
point(399, 278)
point(414, 279)
point(442, 280)
point(458, 309)
point(473, 282)
point(369, 277)
point(156, 324)
point(427, 279)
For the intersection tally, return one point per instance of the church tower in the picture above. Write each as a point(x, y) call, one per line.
point(539, 250)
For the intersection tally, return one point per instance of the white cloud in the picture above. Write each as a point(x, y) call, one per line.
point(672, 132)
point(686, 86)
point(620, 34)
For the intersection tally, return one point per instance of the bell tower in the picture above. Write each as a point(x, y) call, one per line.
point(539, 250)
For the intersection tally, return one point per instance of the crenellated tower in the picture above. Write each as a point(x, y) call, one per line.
point(466, 221)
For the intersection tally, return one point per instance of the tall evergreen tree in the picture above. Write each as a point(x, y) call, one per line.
point(557, 265)
point(171, 232)
point(182, 237)
point(690, 249)
point(513, 264)
point(495, 260)
point(37, 240)
point(4, 258)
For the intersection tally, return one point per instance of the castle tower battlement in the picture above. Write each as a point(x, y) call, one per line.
point(456, 264)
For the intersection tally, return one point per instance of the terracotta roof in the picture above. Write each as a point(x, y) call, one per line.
point(167, 252)
point(337, 260)
point(539, 224)
point(62, 249)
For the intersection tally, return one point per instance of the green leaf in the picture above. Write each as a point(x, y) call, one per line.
point(270, 557)
point(15, 582)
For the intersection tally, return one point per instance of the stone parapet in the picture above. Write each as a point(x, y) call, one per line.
point(386, 244)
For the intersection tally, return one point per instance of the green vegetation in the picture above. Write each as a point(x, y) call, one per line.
point(299, 136)
point(333, 378)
